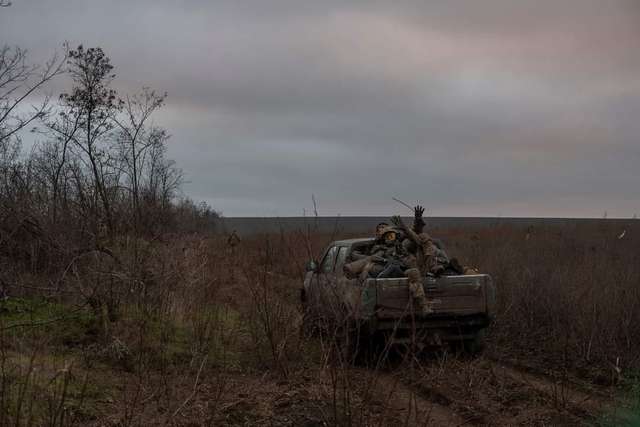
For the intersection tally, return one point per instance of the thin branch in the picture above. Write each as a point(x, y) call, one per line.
point(195, 389)
point(402, 203)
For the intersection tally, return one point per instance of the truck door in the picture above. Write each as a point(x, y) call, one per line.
point(347, 290)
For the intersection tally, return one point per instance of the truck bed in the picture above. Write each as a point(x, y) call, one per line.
point(448, 296)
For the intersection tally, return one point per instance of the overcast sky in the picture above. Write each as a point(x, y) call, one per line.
point(474, 108)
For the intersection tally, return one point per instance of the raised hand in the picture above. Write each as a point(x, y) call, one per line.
point(418, 211)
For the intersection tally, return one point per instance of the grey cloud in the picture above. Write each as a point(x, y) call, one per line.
point(478, 107)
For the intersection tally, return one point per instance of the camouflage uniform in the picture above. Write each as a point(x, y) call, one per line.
point(416, 290)
point(394, 262)
point(426, 252)
point(442, 260)
point(425, 262)
point(380, 228)
point(440, 256)
point(383, 256)
point(385, 259)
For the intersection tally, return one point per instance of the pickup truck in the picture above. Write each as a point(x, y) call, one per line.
point(461, 306)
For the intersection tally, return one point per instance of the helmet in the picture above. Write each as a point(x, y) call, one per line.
point(389, 234)
point(380, 228)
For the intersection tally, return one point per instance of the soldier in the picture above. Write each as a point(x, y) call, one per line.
point(418, 227)
point(425, 262)
point(425, 249)
point(393, 255)
point(383, 259)
point(443, 263)
point(380, 253)
point(380, 229)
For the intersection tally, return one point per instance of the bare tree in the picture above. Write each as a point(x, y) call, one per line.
point(19, 81)
point(160, 182)
point(102, 160)
point(136, 138)
point(92, 106)
point(62, 130)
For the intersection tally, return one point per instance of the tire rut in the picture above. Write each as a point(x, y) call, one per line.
point(509, 395)
point(562, 393)
point(467, 414)
point(419, 407)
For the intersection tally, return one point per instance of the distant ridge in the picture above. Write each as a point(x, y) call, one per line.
point(365, 224)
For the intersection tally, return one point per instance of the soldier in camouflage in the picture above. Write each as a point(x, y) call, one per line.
point(391, 254)
point(380, 229)
point(423, 262)
point(383, 259)
point(418, 227)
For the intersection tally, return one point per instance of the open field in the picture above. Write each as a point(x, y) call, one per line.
point(364, 224)
point(182, 330)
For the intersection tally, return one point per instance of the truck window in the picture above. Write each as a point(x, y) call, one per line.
point(329, 260)
point(342, 256)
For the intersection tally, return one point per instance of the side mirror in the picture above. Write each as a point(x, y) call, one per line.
point(312, 266)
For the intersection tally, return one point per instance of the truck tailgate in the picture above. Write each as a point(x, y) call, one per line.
point(446, 295)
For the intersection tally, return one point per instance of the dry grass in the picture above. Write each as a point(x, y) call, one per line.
point(185, 331)
point(568, 298)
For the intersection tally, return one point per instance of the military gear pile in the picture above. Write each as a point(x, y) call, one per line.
point(400, 251)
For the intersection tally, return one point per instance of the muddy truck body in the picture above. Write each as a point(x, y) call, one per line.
point(460, 306)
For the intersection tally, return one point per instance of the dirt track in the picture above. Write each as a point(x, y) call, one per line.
point(433, 392)
point(430, 390)
point(484, 392)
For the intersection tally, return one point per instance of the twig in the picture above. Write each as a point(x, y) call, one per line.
point(195, 389)
point(402, 203)
point(315, 211)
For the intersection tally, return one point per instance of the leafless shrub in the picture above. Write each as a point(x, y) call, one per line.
point(274, 320)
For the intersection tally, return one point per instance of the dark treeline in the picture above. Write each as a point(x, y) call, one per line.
point(99, 168)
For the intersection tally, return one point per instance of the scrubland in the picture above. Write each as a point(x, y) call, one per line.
point(120, 305)
point(183, 330)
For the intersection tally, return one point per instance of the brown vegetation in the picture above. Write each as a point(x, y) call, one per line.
point(192, 332)
point(120, 307)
